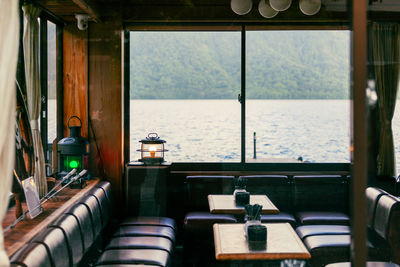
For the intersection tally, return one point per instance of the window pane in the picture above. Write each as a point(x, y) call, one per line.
point(51, 82)
point(297, 86)
point(184, 86)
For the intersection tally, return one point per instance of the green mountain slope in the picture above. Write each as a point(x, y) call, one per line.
point(206, 65)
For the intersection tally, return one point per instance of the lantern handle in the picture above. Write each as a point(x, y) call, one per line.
point(152, 136)
point(72, 118)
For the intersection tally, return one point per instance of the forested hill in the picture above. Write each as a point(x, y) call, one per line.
point(206, 65)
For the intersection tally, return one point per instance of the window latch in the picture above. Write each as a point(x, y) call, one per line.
point(240, 98)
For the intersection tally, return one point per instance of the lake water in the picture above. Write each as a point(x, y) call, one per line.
point(209, 130)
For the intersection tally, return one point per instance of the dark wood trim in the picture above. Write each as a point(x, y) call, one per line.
point(359, 133)
point(261, 167)
point(60, 84)
point(243, 95)
point(126, 96)
point(43, 84)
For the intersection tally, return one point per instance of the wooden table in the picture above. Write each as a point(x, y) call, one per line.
point(25, 230)
point(226, 204)
point(282, 243)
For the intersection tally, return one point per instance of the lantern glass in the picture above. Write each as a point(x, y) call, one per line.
point(152, 150)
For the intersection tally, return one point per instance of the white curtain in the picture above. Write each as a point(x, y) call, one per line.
point(9, 32)
point(31, 56)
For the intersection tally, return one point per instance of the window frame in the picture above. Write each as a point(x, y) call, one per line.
point(43, 72)
point(243, 28)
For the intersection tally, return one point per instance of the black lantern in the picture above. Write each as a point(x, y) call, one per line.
point(73, 151)
point(152, 149)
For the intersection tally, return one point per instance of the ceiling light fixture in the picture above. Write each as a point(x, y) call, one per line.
point(270, 8)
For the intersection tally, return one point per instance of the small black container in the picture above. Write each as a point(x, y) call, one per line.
point(242, 198)
point(257, 236)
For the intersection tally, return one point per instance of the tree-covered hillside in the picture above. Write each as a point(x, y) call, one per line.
point(207, 65)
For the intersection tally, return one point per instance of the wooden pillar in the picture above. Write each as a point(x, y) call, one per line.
point(106, 101)
point(359, 132)
point(75, 67)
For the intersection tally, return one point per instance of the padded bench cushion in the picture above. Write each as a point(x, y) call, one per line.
point(141, 242)
point(33, 255)
point(335, 248)
point(57, 246)
point(203, 221)
point(69, 225)
point(369, 264)
point(322, 217)
point(160, 231)
point(281, 217)
point(310, 230)
point(134, 256)
point(155, 221)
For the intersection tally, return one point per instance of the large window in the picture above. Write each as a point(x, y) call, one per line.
point(185, 86)
point(297, 86)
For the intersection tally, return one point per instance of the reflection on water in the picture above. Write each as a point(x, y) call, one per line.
point(209, 130)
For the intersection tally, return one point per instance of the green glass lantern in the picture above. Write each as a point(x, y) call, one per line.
point(73, 151)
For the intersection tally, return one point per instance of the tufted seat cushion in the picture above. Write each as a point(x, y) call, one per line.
point(141, 242)
point(104, 204)
point(134, 256)
point(81, 214)
point(335, 248)
point(310, 230)
point(57, 246)
point(69, 225)
point(281, 217)
point(387, 223)
point(155, 221)
point(33, 255)
point(160, 231)
point(93, 207)
point(369, 264)
point(322, 217)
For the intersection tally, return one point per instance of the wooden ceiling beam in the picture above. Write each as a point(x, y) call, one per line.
point(89, 8)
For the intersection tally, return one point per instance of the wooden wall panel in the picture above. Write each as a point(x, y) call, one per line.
point(105, 99)
point(75, 65)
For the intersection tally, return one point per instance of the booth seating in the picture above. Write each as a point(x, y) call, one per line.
point(331, 243)
point(198, 223)
point(321, 199)
point(79, 237)
point(279, 191)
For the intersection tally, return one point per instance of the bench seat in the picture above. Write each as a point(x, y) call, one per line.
point(134, 256)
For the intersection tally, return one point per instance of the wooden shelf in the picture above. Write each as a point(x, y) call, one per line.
point(25, 230)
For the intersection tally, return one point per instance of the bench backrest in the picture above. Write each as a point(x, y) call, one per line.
point(320, 193)
point(276, 187)
point(199, 187)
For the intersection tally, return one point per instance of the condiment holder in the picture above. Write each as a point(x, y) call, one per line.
point(241, 196)
point(257, 236)
point(253, 216)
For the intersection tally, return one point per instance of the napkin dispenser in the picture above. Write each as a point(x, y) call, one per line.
point(242, 198)
point(257, 236)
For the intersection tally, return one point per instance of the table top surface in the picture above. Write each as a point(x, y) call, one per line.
point(282, 243)
point(226, 204)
